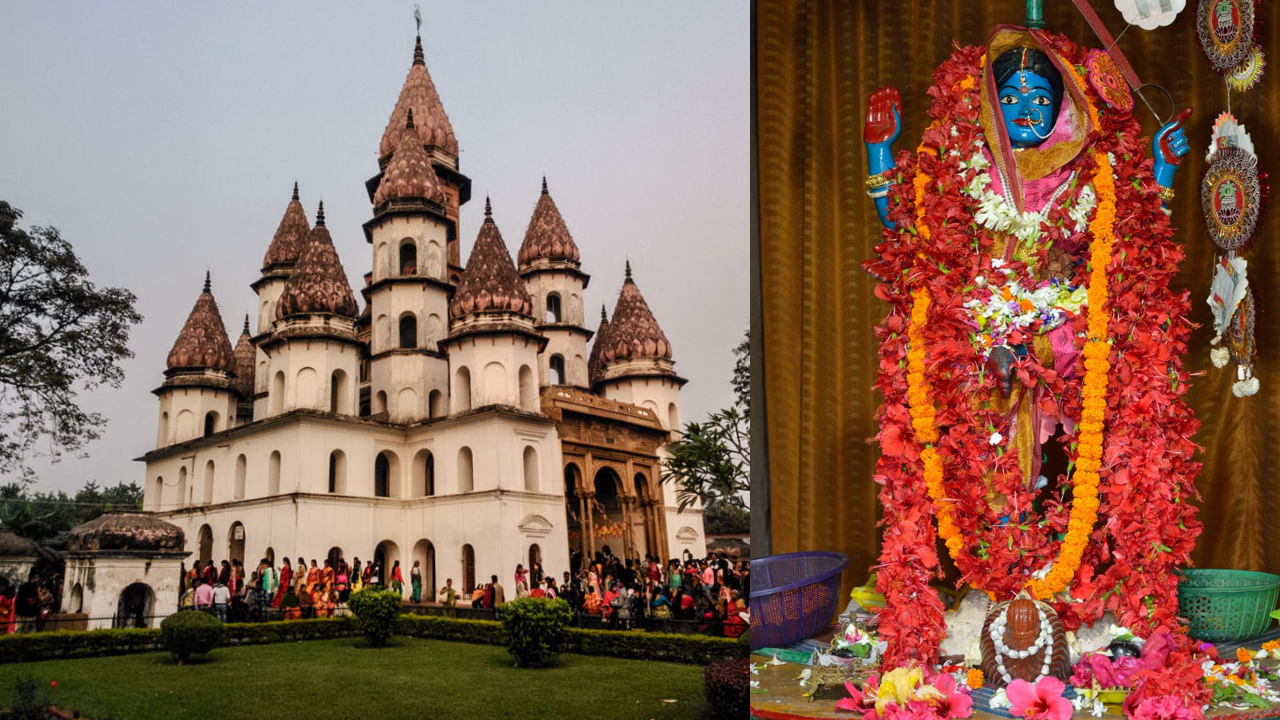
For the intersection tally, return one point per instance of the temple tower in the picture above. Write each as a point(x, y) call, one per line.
point(550, 267)
point(408, 291)
point(197, 397)
point(435, 133)
point(313, 355)
point(492, 346)
point(278, 263)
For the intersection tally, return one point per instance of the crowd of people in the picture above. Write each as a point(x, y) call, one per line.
point(712, 592)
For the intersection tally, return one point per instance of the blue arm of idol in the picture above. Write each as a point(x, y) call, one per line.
point(1168, 147)
point(880, 159)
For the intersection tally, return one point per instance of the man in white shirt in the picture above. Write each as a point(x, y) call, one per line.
point(221, 598)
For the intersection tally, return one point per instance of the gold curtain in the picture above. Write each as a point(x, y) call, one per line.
point(816, 63)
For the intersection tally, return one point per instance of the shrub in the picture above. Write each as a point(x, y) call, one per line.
point(536, 629)
point(377, 611)
point(727, 684)
point(190, 632)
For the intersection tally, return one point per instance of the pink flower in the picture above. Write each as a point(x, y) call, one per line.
point(955, 703)
point(1155, 652)
point(1109, 673)
point(853, 703)
point(1042, 701)
point(1164, 707)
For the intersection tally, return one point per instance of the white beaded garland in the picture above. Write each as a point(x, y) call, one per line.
point(1043, 641)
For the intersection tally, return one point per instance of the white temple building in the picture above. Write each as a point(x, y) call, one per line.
point(456, 418)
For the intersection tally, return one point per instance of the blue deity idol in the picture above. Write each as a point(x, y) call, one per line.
point(1030, 96)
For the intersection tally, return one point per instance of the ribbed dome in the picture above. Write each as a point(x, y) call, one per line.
point(203, 342)
point(548, 237)
point(290, 236)
point(419, 94)
point(409, 174)
point(318, 283)
point(634, 333)
point(594, 365)
point(242, 363)
point(490, 282)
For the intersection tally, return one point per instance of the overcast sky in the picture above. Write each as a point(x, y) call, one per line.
point(163, 139)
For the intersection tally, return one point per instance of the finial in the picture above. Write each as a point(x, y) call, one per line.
point(418, 58)
point(417, 18)
point(295, 190)
point(1035, 14)
point(488, 208)
point(544, 184)
point(207, 285)
point(628, 268)
point(603, 317)
point(246, 324)
point(320, 215)
point(409, 123)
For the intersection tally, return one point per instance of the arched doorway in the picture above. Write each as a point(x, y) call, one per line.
point(386, 555)
point(424, 552)
point(606, 513)
point(468, 570)
point(381, 471)
point(235, 542)
point(535, 557)
point(133, 610)
point(205, 554)
point(574, 515)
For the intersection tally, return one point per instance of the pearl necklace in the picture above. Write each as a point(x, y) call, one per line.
point(1044, 639)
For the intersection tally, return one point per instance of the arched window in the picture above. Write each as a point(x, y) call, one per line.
point(182, 487)
point(528, 389)
point(235, 542)
point(468, 569)
point(424, 464)
point(205, 537)
point(273, 473)
point(276, 402)
point(162, 437)
point(208, 483)
point(408, 331)
point(435, 405)
point(338, 472)
point(381, 476)
point(380, 403)
point(553, 307)
point(530, 468)
point(241, 466)
point(157, 494)
point(462, 390)
point(557, 370)
point(673, 417)
point(466, 478)
point(210, 423)
point(408, 257)
point(338, 393)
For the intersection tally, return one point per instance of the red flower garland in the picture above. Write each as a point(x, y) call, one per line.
point(1147, 523)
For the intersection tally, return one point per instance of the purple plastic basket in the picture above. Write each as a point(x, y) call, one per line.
point(793, 596)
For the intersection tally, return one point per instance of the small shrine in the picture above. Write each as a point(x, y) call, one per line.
point(124, 569)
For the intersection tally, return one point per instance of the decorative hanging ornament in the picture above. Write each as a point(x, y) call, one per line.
point(1105, 77)
point(1240, 345)
point(1150, 14)
point(1230, 193)
point(1250, 71)
point(1225, 28)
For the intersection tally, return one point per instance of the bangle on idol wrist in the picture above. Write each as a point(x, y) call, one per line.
point(878, 181)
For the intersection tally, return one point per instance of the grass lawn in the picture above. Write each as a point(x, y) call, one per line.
point(342, 678)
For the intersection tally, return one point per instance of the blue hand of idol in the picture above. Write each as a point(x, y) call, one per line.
point(880, 154)
point(1171, 140)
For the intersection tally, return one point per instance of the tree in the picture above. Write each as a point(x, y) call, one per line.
point(712, 461)
point(58, 334)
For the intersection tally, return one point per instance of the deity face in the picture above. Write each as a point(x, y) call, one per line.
point(1026, 101)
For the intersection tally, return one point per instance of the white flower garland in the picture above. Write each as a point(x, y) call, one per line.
point(1043, 642)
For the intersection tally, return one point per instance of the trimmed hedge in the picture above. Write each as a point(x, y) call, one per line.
point(695, 649)
point(190, 632)
point(478, 632)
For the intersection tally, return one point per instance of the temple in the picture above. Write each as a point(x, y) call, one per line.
point(456, 416)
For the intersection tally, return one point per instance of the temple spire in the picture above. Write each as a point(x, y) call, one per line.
point(295, 189)
point(544, 184)
point(628, 269)
point(488, 208)
point(208, 286)
point(320, 215)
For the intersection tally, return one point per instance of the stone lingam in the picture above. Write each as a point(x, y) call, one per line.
point(1023, 639)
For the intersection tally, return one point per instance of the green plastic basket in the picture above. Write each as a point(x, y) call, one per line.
point(1227, 605)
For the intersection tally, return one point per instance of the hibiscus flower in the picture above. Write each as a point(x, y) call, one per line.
point(1042, 701)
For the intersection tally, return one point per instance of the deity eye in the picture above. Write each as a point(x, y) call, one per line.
point(1009, 99)
point(1041, 100)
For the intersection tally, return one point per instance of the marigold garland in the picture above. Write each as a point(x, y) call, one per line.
point(1084, 506)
